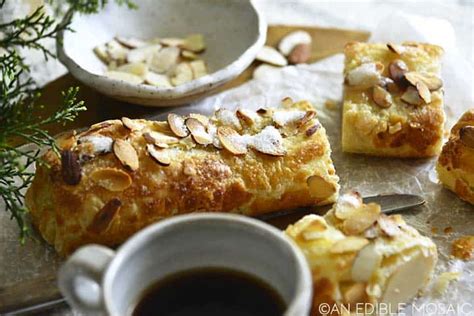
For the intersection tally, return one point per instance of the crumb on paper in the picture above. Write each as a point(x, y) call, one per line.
point(434, 230)
point(463, 248)
point(443, 281)
point(330, 104)
point(448, 230)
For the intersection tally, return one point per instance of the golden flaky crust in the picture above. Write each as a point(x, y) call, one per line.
point(111, 202)
point(456, 163)
point(401, 129)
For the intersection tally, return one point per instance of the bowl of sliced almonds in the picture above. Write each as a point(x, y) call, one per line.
point(167, 52)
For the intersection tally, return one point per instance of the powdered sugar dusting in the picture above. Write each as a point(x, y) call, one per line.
point(283, 118)
point(101, 144)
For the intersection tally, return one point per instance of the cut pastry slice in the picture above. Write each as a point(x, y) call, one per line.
point(368, 267)
point(241, 163)
point(456, 163)
point(393, 100)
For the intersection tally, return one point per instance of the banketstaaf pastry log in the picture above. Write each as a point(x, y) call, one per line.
point(121, 175)
point(456, 163)
point(358, 256)
point(393, 100)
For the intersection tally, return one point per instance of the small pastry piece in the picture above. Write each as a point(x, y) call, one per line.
point(393, 100)
point(456, 163)
point(357, 258)
point(122, 175)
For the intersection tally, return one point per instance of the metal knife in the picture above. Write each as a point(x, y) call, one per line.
point(42, 294)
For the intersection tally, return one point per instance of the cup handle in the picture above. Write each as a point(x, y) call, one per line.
point(80, 278)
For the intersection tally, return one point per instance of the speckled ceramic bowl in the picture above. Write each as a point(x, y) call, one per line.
point(233, 30)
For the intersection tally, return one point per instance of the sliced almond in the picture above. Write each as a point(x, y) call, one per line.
point(287, 102)
point(411, 96)
point(158, 80)
point(361, 219)
point(349, 244)
point(199, 69)
point(313, 129)
point(142, 54)
point(124, 76)
point(130, 42)
point(201, 118)
point(347, 204)
point(132, 125)
point(247, 116)
point(177, 126)
point(269, 141)
point(393, 129)
point(198, 131)
point(126, 154)
point(189, 55)
point(164, 60)
point(397, 49)
point(308, 116)
point(159, 139)
point(356, 294)
point(101, 52)
point(388, 226)
point(300, 54)
point(112, 179)
point(172, 41)
point(70, 167)
point(431, 81)
point(103, 219)
point(262, 111)
point(466, 135)
point(116, 51)
point(138, 69)
point(290, 41)
point(424, 92)
point(382, 97)
point(160, 155)
point(182, 74)
point(270, 55)
point(364, 76)
point(212, 130)
point(194, 43)
point(229, 139)
point(397, 70)
point(320, 188)
point(366, 263)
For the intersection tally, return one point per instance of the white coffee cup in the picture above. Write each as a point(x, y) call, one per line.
point(99, 280)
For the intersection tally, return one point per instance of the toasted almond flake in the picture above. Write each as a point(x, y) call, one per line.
point(100, 144)
point(198, 131)
point(71, 170)
point(291, 40)
point(366, 263)
point(160, 139)
point(142, 54)
point(103, 219)
point(116, 51)
point(164, 60)
point(382, 97)
point(411, 96)
point(172, 41)
point(228, 117)
point(320, 188)
point(282, 118)
point(392, 129)
point(248, 116)
point(159, 155)
point(313, 129)
point(397, 49)
point(101, 52)
point(126, 154)
point(130, 42)
point(349, 244)
point(347, 204)
point(287, 102)
point(300, 54)
point(424, 92)
point(132, 125)
point(270, 55)
point(308, 116)
point(356, 294)
point(189, 55)
point(158, 80)
point(194, 43)
point(182, 74)
point(262, 111)
point(177, 126)
point(361, 219)
point(372, 232)
point(266, 72)
point(199, 69)
point(201, 118)
point(388, 226)
point(315, 229)
point(112, 179)
point(397, 70)
point(364, 76)
point(431, 81)
point(466, 135)
point(269, 141)
point(138, 69)
point(229, 139)
point(124, 76)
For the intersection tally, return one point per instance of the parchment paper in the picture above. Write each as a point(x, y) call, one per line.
point(319, 83)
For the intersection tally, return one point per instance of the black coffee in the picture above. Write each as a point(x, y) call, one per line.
point(210, 292)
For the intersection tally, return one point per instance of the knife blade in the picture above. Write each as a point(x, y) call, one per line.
point(15, 300)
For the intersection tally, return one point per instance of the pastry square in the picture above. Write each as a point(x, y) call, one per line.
point(393, 100)
point(456, 163)
point(122, 175)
